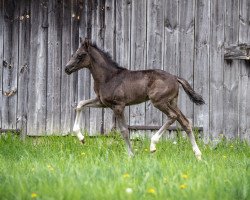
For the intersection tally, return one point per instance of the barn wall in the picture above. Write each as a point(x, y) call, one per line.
point(186, 38)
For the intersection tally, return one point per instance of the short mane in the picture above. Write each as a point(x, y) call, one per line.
point(108, 57)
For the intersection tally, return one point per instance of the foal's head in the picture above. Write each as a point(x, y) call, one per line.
point(80, 58)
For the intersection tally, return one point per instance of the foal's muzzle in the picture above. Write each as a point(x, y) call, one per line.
point(67, 70)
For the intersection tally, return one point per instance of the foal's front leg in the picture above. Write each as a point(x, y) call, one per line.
point(80, 106)
point(119, 114)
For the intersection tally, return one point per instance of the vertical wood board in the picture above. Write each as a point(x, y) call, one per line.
point(231, 71)
point(201, 63)
point(23, 68)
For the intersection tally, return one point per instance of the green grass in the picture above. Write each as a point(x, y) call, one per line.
point(62, 168)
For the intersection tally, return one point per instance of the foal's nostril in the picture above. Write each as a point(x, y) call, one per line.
point(67, 70)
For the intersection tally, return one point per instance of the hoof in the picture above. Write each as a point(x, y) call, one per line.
point(82, 141)
point(198, 157)
point(152, 148)
point(131, 155)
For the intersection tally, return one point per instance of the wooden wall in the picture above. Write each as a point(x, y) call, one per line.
point(186, 38)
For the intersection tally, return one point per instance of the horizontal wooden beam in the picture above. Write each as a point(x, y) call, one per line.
point(151, 128)
point(17, 131)
point(240, 52)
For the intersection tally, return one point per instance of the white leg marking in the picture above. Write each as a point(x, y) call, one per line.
point(90, 102)
point(156, 137)
point(195, 147)
point(76, 127)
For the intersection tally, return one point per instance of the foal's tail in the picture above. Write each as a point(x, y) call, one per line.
point(196, 98)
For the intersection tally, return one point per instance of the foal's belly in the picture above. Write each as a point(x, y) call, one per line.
point(135, 92)
point(128, 92)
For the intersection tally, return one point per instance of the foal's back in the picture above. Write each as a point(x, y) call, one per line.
point(133, 87)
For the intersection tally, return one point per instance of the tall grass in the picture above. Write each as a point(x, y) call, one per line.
point(62, 168)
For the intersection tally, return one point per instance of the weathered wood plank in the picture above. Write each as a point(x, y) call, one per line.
point(83, 75)
point(186, 53)
point(97, 35)
point(36, 124)
point(171, 128)
point(8, 68)
point(66, 82)
point(155, 33)
point(14, 63)
point(201, 63)
point(54, 67)
point(231, 71)
point(244, 82)
point(1, 56)
point(171, 41)
point(216, 68)
point(23, 69)
point(171, 36)
point(109, 46)
point(123, 37)
point(240, 52)
point(138, 54)
point(74, 47)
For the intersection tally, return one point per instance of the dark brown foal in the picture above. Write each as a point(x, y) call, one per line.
point(117, 87)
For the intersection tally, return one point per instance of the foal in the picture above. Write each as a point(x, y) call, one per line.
point(117, 87)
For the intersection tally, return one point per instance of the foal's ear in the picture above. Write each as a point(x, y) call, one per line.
point(81, 40)
point(86, 44)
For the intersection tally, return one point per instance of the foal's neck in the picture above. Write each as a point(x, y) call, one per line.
point(101, 69)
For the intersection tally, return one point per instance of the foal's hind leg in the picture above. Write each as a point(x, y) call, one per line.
point(172, 117)
point(187, 126)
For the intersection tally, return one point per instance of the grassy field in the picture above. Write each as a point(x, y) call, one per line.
point(62, 168)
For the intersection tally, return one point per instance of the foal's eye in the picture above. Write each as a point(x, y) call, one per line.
point(80, 56)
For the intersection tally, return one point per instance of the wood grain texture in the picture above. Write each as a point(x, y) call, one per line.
point(1, 56)
point(201, 63)
point(231, 71)
point(186, 53)
point(23, 68)
point(8, 70)
point(13, 82)
point(66, 81)
point(244, 67)
point(239, 52)
point(54, 67)
point(216, 68)
point(37, 87)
